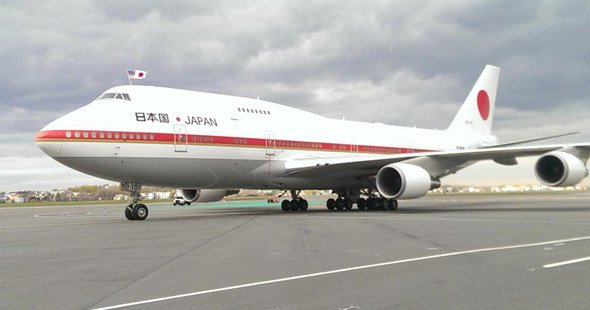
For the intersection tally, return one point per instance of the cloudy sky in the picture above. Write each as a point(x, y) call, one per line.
point(397, 62)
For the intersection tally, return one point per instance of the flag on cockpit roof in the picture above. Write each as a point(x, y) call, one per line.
point(136, 74)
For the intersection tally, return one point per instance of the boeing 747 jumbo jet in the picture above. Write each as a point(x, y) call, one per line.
point(208, 144)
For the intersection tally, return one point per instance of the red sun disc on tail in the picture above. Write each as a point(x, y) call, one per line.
point(483, 104)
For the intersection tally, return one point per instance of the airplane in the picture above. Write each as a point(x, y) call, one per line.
point(210, 144)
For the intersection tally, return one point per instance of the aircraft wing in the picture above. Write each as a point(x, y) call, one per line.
point(444, 160)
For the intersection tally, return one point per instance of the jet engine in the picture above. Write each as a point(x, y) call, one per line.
point(404, 181)
point(560, 169)
point(205, 195)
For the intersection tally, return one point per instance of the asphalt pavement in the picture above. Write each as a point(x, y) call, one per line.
point(457, 252)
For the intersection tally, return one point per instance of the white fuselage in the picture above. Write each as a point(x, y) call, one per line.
point(185, 139)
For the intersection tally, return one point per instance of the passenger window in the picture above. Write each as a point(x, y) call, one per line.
point(101, 135)
point(93, 135)
point(109, 135)
point(68, 134)
point(124, 135)
point(145, 136)
point(85, 135)
point(151, 136)
point(77, 134)
point(116, 135)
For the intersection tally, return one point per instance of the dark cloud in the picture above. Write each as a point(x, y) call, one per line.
point(400, 62)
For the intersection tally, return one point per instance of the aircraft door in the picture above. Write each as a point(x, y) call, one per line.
point(270, 143)
point(180, 138)
point(354, 148)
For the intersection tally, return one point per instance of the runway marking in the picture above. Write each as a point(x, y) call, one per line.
point(330, 272)
point(567, 262)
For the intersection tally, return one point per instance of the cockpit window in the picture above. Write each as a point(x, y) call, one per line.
point(115, 96)
point(108, 96)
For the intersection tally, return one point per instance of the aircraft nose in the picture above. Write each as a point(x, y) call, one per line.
point(48, 141)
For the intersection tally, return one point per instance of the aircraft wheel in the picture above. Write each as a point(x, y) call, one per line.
point(303, 205)
point(331, 204)
point(339, 204)
point(372, 204)
point(140, 212)
point(392, 204)
point(128, 214)
point(347, 204)
point(285, 205)
point(294, 205)
point(361, 204)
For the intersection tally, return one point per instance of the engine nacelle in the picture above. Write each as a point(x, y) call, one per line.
point(404, 181)
point(204, 195)
point(560, 169)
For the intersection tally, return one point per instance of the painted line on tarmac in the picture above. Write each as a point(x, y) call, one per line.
point(330, 272)
point(567, 262)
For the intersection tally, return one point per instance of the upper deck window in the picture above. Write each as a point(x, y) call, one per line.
point(120, 96)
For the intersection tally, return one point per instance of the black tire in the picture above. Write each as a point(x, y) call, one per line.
point(361, 204)
point(303, 205)
point(347, 204)
point(372, 204)
point(382, 204)
point(140, 212)
point(128, 214)
point(339, 204)
point(392, 204)
point(285, 205)
point(331, 204)
point(294, 205)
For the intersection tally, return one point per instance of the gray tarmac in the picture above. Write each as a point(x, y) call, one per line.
point(458, 252)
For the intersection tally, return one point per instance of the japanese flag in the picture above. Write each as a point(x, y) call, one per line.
point(136, 74)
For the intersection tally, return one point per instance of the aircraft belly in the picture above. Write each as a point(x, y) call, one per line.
point(159, 165)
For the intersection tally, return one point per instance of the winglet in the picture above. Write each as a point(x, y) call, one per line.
point(477, 112)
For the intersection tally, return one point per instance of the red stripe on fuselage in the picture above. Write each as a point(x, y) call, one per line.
point(169, 138)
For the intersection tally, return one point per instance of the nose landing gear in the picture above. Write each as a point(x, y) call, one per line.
point(135, 211)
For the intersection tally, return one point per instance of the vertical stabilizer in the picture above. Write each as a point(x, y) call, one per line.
point(477, 112)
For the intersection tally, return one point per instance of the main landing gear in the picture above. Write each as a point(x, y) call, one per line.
point(346, 199)
point(362, 204)
point(297, 204)
point(135, 211)
point(376, 203)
